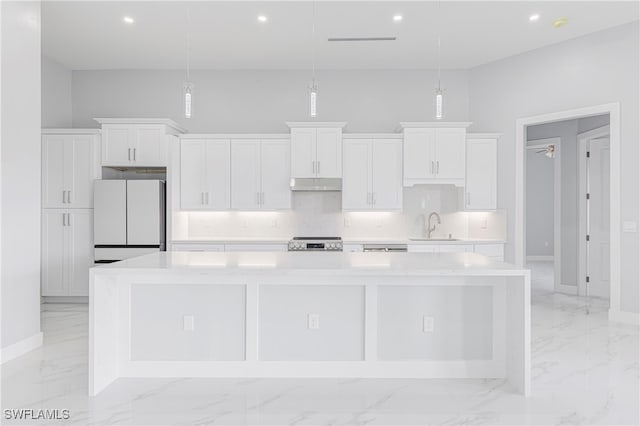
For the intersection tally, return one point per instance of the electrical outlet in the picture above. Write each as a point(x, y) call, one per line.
point(188, 323)
point(313, 321)
point(428, 324)
point(483, 224)
point(275, 224)
point(347, 222)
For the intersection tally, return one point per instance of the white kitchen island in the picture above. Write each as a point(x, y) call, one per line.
point(309, 314)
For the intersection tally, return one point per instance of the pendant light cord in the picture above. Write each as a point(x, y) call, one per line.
point(439, 14)
point(313, 42)
point(188, 45)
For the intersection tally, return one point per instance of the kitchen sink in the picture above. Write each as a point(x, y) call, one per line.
point(434, 239)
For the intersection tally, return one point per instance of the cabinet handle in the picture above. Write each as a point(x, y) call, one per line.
point(63, 195)
point(318, 167)
point(134, 154)
point(64, 219)
point(68, 219)
point(437, 167)
point(69, 197)
point(313, 167)
point(433, 168)
point(129, 154)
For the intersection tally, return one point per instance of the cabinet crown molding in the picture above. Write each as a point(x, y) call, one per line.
point(316, 124)
point(483, 135)
point(166, 121)
point(71, 131)
point(432, 124)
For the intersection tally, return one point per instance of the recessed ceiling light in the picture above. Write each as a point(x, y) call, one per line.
point(397, 18)
point(534, 17)
point(560, 22)
point(262, 18)
point(128, 20)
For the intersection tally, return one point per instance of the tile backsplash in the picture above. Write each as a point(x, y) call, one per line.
point(320, 214)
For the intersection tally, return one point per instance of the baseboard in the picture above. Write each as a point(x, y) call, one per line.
point(622, 317)
point(539, 258)
point(20, 348)
point(567, 289)
point(65, 299)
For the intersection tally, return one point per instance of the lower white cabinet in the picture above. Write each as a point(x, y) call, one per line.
point(494, 251)
point(196, 247)
point(372, 174)
point(439, 248)
point(67, 251)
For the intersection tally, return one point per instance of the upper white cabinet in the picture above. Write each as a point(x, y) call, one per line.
point(372, 174)
point(260, 174)
point(316, 150)
point(69, 166)
point(434, 153)
point(482, 172)
point(136, 142)
point(205, 174)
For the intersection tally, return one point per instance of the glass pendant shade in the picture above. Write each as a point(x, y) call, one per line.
point(313, 100)
point(188, 93)
point(439, 104)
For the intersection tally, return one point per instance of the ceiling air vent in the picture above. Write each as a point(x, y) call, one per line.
point(362, 39)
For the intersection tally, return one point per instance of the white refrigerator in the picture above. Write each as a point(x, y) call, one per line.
point(129, 218)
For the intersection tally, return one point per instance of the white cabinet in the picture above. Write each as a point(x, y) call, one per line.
point(260, 174)
point(434, 155)
point(494, 251)
point(69, 167)
point(269, 247)
point(205, 174)
point(196, 247)
point(372, 174)
point(439, 248)
point(482, 172)
point(316, 152)
point(67, 251)
point(136, 142)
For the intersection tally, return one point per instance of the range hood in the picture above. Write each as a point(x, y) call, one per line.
point(316, 184)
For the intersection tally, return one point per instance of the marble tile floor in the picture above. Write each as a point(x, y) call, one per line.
point(585, 372)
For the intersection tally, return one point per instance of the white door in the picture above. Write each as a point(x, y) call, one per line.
point(356, 180)
point(81, 171)
point(79, 251)
point(329, 152)
point(386, 181)
point(303, 152)
point(149, 145)
point(217, 168)
point(245, 174)
point(598, 211)
point(116, 144)
point(110, 212)
point(419, 161)
point(143, 212)
point(481, 175)
point(275, 157)
point(53, 256)
point(53, 174)
point(450, 153)
point(192, 174)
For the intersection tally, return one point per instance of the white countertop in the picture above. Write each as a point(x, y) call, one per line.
point(276, 240)
point(317, 263)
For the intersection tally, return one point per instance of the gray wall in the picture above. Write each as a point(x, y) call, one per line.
point(595, 69)
point(56, 94)
point(539, 204)
point(261, 101)
point(20, 171)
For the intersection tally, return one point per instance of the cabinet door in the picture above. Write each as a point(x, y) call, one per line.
point(481, 177)
point(386, 177)
point(53, 171)
point(245, 174)
point(79, 251)
point(116, 145)
point(356, 181)
point(303, 152)
point(419, 161)
point(450, 153)
point(81, 170)
point(329, 152)
point(53, 256)
point(276, 192)
point(192, 174)
point(217, 186)
point(149, 145)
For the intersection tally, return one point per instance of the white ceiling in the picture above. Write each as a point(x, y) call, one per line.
point(227, 35)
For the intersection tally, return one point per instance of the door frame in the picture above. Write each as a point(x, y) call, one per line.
point(557, 210)
point(583, 138)
point(613, 109)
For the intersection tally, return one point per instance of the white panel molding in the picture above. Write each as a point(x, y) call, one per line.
point(631, 318)
point(21, 347)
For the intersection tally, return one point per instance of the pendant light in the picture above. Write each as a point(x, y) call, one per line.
point(439, 91)
point(313, 87)
point(188, 85)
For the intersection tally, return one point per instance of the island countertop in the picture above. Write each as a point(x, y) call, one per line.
point(323, 263)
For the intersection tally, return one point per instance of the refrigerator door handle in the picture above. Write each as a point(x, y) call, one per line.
point(129, 157)
point(134, 154)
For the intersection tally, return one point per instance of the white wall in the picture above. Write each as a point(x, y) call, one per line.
point(56, 94)
point(595, 69)
point(20, 176)
point(261, 101)
point(539, 204)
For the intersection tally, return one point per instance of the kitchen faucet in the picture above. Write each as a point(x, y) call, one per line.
point(430, 229)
